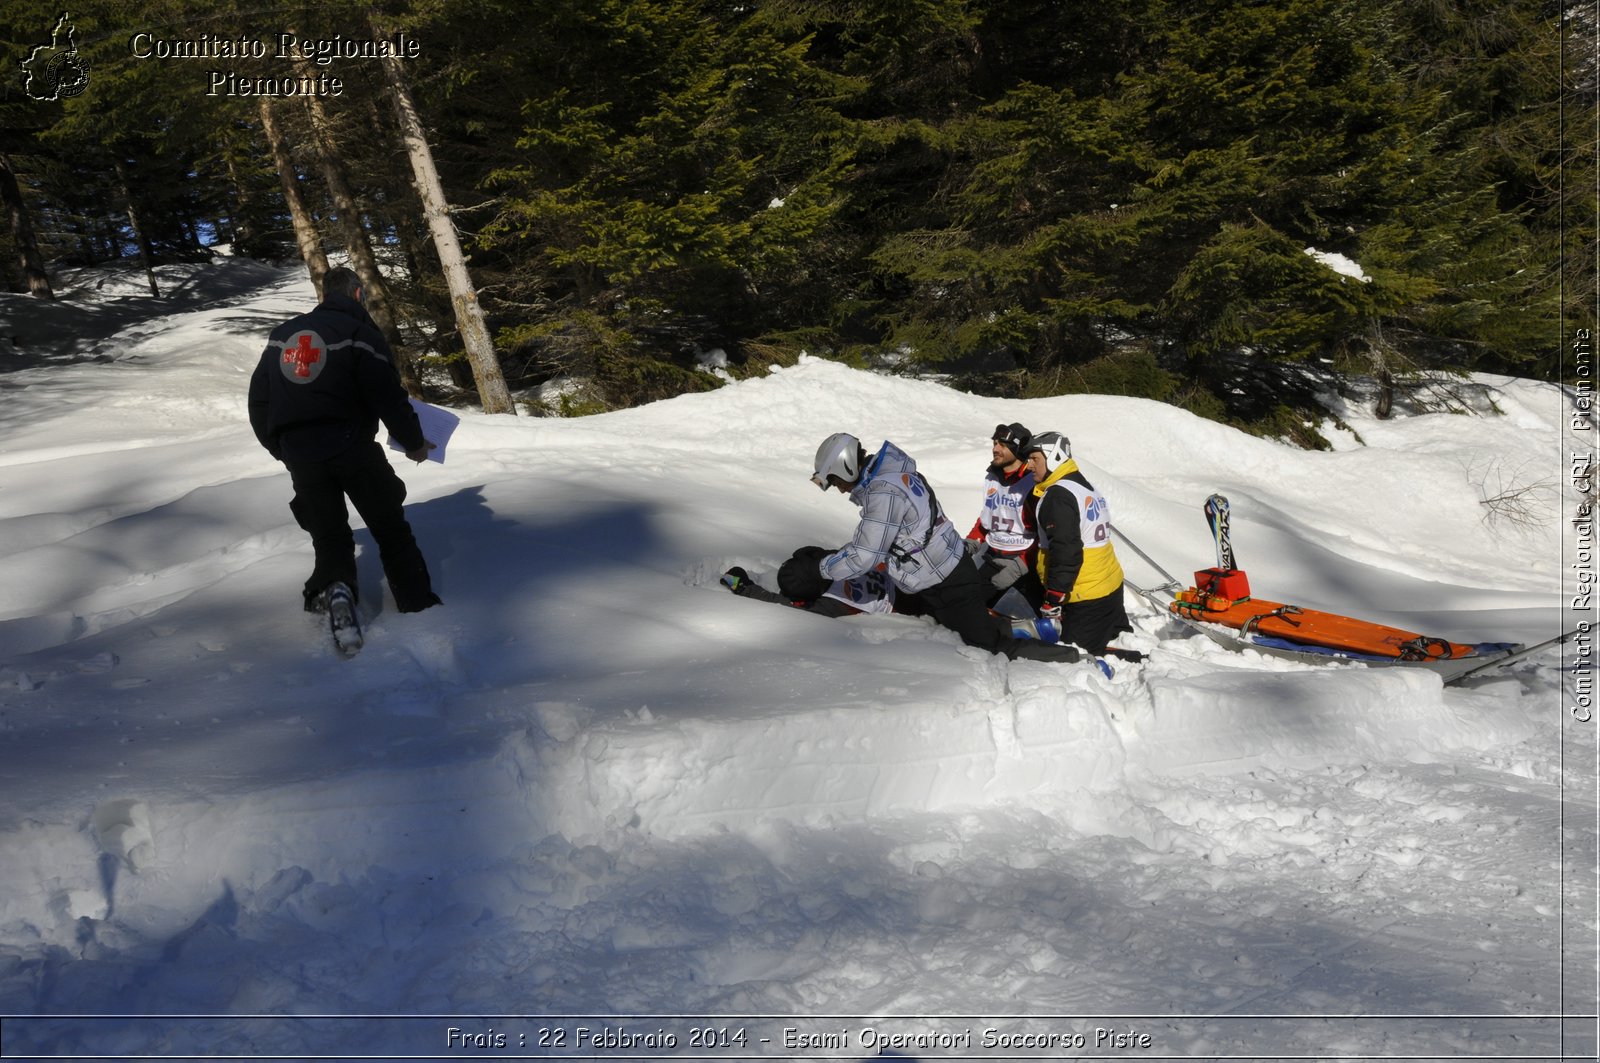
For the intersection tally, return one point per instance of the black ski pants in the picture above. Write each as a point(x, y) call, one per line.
point(364, 475)
point(1094, 623)
point(960, 603)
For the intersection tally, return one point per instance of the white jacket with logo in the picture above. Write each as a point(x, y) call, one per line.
point(902, 530)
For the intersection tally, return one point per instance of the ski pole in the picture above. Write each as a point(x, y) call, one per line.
point(1148, 559)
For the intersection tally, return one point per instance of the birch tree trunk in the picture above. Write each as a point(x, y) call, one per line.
point(139, 237)
point(305, 227)
point(493, 394)
point(362, 260)
point(422, 265)
point(22, 232)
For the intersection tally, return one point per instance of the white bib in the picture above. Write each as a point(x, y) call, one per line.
point(870, 592)
point(1002, 517)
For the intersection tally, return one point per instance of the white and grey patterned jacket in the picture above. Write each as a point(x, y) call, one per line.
point(903, 529)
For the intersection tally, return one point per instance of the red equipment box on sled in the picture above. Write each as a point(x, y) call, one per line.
point(1229, 583)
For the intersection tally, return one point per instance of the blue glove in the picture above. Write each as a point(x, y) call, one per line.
point(1105, 669)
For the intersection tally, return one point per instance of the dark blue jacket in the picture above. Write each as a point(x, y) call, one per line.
point(324, 382)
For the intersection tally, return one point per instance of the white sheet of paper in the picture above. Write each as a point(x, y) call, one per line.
point(438, 425)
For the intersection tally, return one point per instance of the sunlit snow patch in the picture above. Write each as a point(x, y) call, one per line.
point(1339, 264)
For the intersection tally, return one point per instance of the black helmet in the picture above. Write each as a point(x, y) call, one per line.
point(799, 578)
point(1015, 438)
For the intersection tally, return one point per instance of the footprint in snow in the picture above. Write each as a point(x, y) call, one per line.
point(123, 830)
point(21, 681)
point(100, 662)
point(435, 654)
point(402, 701)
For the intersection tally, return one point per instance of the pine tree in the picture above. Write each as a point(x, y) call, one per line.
point(1135, 196)
point(29, 258)
point(665, 204)
point(1278, 129)
point(1502, 125)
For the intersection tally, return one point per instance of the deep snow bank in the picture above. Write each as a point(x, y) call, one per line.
point(1063, 742)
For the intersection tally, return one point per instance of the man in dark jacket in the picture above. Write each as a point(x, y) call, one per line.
point(323, 383)
point(1077, 563)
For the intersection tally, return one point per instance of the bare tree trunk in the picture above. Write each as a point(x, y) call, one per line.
point(305, 227)
point(422, 264)
point(492, 391)
point(362, 259)
point(1378, 354)
point(139, 237)
point(22, 232)
point(241, 228)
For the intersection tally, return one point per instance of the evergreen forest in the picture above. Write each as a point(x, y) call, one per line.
point(1222, 204)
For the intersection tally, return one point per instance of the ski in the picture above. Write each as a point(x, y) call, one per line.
point(1514, 656)
point(343, 622)
point(1217, 517)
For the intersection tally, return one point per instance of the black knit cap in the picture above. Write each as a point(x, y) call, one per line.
point(1014, 436)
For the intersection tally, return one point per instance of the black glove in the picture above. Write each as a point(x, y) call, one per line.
point(1051, 609)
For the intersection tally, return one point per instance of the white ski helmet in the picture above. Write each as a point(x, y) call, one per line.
point(1055, 447)
point(840, 455)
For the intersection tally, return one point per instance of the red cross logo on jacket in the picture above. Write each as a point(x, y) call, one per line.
point(304, 357)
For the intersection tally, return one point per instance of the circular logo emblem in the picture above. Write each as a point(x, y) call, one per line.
point(304, 355)
point(68, 73)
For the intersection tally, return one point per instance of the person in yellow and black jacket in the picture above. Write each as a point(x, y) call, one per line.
point(1077, 564)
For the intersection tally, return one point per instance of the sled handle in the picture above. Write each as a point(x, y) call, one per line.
point(1148, 559)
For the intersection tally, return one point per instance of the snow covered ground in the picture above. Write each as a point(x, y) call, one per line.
point(596, 805)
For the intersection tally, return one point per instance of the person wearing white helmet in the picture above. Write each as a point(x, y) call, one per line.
point(904, 533)
point(1077, 563)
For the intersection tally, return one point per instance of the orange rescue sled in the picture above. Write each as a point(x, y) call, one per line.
point(1222, 596)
